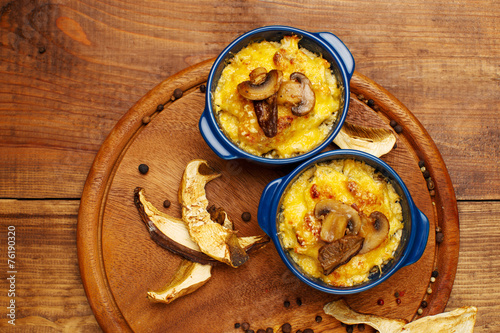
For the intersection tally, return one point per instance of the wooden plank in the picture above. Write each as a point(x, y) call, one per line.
point(478, 272)
point(49, 295)
point(439, 58)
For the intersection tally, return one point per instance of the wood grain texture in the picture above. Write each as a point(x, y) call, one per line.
point(440, 59)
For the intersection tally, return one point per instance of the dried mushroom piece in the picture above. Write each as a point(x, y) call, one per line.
point(188, 277)
point(461, 320)
point(339, 252)
point(267, 115)
point(172, 234)
point(213, 239)
point(375, 141)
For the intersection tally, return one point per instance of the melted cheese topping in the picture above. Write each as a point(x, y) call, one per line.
point(296, 135)
point(351, 182)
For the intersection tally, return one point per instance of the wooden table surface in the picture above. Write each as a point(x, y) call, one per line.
point(69, 70)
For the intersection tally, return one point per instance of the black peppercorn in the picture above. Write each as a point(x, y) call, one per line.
point(361, 327)
point(349, 328)
point(237, 325)
point(398, 129)
point(178, 93)
point(260, 330)
point(319, 319)
point(426, 174)
point(299, 302)
point(203, 88)
point(423, 304)
point(439, 237)
point(393, 123)
point(160, 107)
point(308, 330)
point(396, 294)
point(245, 326)
point(286, 304)
point(246, 216)
point(249, 331)
point(41, 50)
point(166, 203)
point(143, 168)
point(421, 164)
point(435, 273)
point(269, 330)
point(371, 103)
point(286, 328)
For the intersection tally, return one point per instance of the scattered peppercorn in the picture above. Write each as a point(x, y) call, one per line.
point(178, 93)
point(398, 129)
point(286, 328)
point(245, 326)
point(396, 294)
point(398, 301)
point(298, 331)
point(393, 123)
point(246, 216)
point(160, 107)
point(420, 311)
point(319, 319)
point(260, 330)
point(41, 50)
point(237, 325)
point(250, 331)
point(146, 120)
point(308, 330)
point(401, 293)
point(143, 168)
point(380, 301)
point(423, 304)
point(429, 290)
point(439, 237)
point(426, 174)
point(269, 330)
point(349, 328)
point(299, 302)
point(376, 108)
point(286, 304)
point(166, 203)
point(430, 184)
point(361, 327)
point(421, 163)
point(371, 103)
point(435, 273)
point(433, 279)
point(203, 88)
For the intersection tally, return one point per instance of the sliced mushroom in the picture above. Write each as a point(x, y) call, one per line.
point(213, 239)
point(290, 93)
point(375, 229)
point(188, 277)
point(258, 75)
point(172, 234)
point(375, 141)
point(267, 115)
point(308, 98)
point(339, 252)
point(268, 87)
point(338, 219)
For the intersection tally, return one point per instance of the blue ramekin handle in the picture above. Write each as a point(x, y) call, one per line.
point(207, 131)
point(341, 49)
point(264, 216)
point(421, 225)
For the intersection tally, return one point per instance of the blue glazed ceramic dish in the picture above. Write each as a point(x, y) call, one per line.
point(413, 240)
point(328, 45)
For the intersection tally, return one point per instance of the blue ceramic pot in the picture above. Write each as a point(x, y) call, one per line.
point(328, 45)
point(413, 240)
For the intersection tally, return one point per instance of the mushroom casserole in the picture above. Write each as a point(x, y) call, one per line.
point(276, 99)
point(340, 221)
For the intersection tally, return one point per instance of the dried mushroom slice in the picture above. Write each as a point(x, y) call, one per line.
point(172, 234)
point(375, 141)
point(188, 278)
point(213, 239)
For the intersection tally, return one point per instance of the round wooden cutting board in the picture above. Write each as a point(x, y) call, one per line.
point(119, 262)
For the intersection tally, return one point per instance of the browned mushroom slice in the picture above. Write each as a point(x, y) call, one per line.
point(258, 75)
point(188, 277)
point(213, 239)
point(267, 115)
point(308, 98)
point(375, 230)
point(290, 93)
point(339, 252)
point(267, 88)
point(337, 218)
